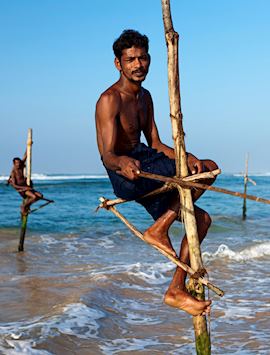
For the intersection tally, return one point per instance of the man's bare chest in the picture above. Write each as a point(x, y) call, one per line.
point(19, 176)
point(133, 118)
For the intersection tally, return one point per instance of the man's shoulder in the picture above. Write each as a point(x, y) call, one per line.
point(111, 94)
point(109, 101)
point(146, 94)
point(145, 91)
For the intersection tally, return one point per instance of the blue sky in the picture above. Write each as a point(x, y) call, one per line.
point(56, 59)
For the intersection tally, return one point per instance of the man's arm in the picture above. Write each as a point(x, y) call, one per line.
point(24, 157)
point(151, 132)
point(152, 136)
point(107, 110)
point(13, 182)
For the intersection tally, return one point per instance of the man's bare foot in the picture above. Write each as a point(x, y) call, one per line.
point(183, 300)
point(161, 241)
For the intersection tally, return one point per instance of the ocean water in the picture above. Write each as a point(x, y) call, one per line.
point(86, 285)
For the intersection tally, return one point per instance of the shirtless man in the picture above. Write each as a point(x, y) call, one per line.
point(18, 181)
point(123, 112)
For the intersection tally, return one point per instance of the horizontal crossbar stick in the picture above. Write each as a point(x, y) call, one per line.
point(165, 188)
point(189, 184)
point(205, 175)
point(44, 205)
point(46, 199)
point(118, 201)
point(179, 263)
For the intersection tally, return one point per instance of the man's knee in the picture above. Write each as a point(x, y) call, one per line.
point(30, 194)
point(210, 165)
point(202, 217)
point(38, 195)
point(207, 220)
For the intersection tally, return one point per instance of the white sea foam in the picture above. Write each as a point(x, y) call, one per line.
point(19, 347)
point(78, 320)
point(43, 177)
point(45, 238)
point(106, 243)
point(145, 345)
point(61, 177)
point(233, 311)
point(57, 177)
point(252, 252)
point(151, 273)
point(141, 319)
point(74, 319)
point(253, 174)
point(132, 344)
point(136, 312)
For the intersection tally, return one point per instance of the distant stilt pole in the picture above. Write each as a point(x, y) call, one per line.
point(28, 181)
point(244, 215)
point(246, 180)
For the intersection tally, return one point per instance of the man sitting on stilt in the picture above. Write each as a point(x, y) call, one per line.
point(18, 181)
point(123, 113)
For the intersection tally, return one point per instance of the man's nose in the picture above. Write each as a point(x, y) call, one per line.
point(137, 63)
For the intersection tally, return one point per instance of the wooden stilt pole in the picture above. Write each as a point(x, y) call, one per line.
point(28, 181)
point(246, 180)
point(29, 157)
point(202, 338)
point(23, 231)
point(244, 215)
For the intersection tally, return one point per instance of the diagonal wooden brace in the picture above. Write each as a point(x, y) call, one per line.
point(185, 267)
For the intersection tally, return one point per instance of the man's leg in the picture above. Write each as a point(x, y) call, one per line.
point(209, 165)
point(157, 234)
point(38, 195)
point(31, 198)
point(177, 295)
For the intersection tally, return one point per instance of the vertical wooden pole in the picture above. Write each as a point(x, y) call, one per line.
point(28, 181)
point(29, 156)
point(202, 338)
point(244, 215)
point(23, 231)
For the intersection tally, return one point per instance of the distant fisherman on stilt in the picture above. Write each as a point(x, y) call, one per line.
point(18, 181)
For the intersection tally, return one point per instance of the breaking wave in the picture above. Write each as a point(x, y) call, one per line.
point(249, 253)
point(61, 177)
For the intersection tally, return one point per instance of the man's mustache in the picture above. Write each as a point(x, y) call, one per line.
point(139, 71)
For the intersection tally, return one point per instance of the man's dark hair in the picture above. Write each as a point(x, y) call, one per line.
point(16, 158)
point(128, 39)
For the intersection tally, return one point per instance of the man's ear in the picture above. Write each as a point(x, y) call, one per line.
point(117, 64)
point(149, 58)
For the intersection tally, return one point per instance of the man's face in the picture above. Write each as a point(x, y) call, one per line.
point(134, 64)
point(17, 163)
